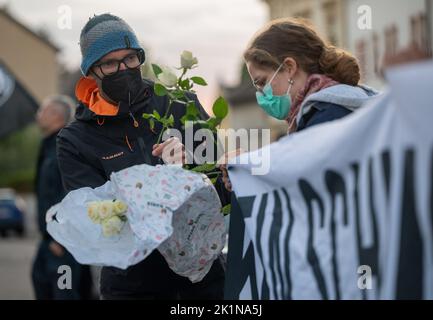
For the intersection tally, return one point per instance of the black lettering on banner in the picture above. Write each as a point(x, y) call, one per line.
point(274, 245)
point(259, 223)
point(375, 267)
point(288, 293)
point(336, 185)
point(367, 256)
point(240, 267)
point(410, 265)
point(386, 167)
point(311, 195)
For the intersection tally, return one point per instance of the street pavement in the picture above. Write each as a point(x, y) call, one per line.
point(16, 256)
point(15, 266)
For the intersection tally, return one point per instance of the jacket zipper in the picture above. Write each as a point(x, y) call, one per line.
point(133, 119)
point(130, 113)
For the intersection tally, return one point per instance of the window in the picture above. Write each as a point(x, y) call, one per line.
point(330, 12)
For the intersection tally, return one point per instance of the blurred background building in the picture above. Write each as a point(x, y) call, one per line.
point(30, 55)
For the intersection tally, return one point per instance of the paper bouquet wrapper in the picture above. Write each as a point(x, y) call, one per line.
point(170, 209)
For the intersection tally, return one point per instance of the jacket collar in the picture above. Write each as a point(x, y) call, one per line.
point(87, 92)
point(93, 105)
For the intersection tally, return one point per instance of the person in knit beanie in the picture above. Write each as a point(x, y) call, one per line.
point(112, 55)
point(103, 34)
point(110, 134)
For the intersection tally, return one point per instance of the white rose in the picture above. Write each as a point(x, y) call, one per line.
point(93, 211)
point(187, 60)
point(120, 207)
point(112, 226)
point(167, 77)
point(106, 209)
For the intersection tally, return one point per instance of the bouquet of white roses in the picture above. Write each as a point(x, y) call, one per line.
point(164, 208)
point(110, 214)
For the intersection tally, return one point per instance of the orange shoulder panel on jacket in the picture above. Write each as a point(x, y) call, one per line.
point(87, 92)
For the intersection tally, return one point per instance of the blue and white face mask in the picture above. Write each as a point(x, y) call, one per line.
point(276, 106)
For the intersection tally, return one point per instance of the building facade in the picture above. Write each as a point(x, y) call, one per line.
point(328, 16)
point(395, 25)
point(31, 57)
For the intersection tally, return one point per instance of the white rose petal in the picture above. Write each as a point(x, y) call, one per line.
point(120, 207)
point(93, 211)
point(187, 60)
point(167, 77)
point(112, 226)
point(106, 209)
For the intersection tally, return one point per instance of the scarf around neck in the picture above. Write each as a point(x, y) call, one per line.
point(314, 83)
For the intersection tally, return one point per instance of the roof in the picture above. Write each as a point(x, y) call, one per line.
point(4, 12)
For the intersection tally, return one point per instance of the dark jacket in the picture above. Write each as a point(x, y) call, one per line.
point(90, 149)
point(322, 112)
point(48, 182)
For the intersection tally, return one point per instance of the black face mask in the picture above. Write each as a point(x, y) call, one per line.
point(126, 85)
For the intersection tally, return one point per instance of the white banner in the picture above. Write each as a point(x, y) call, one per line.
point(346, 210)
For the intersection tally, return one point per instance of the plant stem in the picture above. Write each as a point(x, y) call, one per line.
point(164, 127)
point(181, 76)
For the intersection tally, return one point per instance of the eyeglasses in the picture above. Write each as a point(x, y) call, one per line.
point(131, 61)
point(259, 84)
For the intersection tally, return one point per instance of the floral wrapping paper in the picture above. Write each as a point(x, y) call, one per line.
point(170, 209)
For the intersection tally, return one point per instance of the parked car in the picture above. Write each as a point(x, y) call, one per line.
point(11, 213)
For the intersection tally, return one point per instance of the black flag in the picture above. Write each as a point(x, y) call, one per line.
point(17, 106)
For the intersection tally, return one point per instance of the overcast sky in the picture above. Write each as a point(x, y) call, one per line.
point(216, 31)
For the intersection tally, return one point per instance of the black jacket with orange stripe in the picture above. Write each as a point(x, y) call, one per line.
point(95, 145)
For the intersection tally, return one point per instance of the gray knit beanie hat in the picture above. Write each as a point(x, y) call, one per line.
point(103, 34)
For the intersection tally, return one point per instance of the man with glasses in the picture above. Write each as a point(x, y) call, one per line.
point(110, 134)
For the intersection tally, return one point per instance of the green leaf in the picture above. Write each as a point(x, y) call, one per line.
point(203, 124)
point(151, 123)
point(187, 124)
point(191, 109)
point(177, 94)
point(156, 69)
point(220, 108)
point(204, 167)
point(147, 115)
point(184, 84)
point(214, 180)
point(187, 118)
point(199, 80)
point(159, 89)
point(156, 115)
point(226, 209)
point(213, 123)
point(171, 121)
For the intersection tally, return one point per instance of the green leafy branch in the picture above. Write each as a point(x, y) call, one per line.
point(178, 90)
